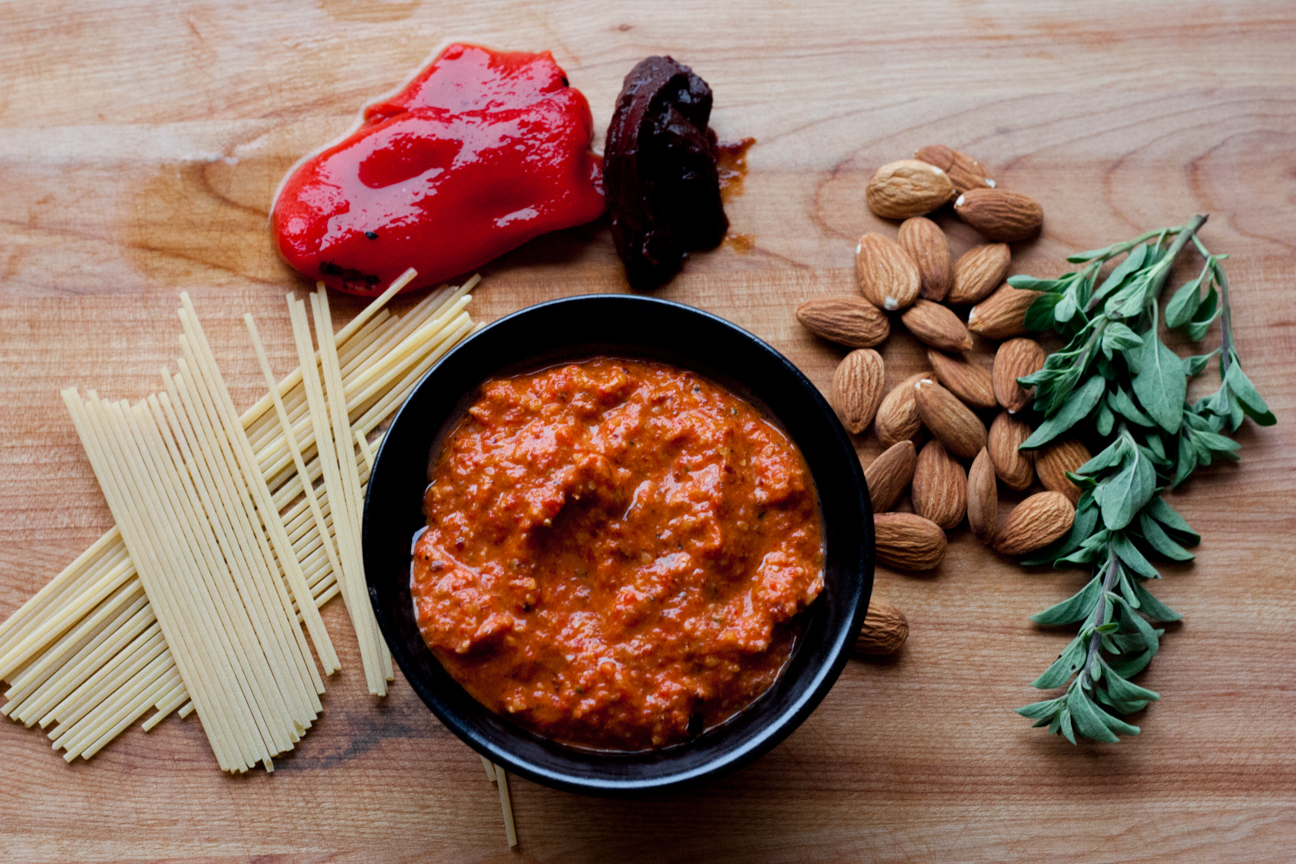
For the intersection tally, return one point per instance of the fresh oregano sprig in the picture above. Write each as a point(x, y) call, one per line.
point(1116, 382)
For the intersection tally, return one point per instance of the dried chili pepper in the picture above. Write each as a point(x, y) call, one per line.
point(662, 184)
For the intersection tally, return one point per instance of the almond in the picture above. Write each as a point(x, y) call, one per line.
point(907, 541)
point(964, 379)
point(907, 188)
point(897, 416)
point(1054, 461)
point(940, 490)
point(885, 629)
point(978, 272)
point(845, 319)
point(983, 498)
point(1003, 313)
point(889, 474)
point(929, 248)
point(964, 171)
point(1000, 214)
point(1012, 464)
point(952, 422)
point(1034, 524)
point(888, 277)
point(857, 388)
point(937, 326)
point(1015, 359)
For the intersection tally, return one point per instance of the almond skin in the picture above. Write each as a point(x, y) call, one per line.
point(888, 277)
point(857, 388)
point(1015, 359)
point(928, 246)
point(1034, 523)
point(940, 486)
point(1003, 313)
point(907, 541)
point(952, 422)
point(978, 272)
point(1054, 461)
point(935, 325)
point(964, 171)
point(983, 498)
point(845, 319)
point(897, 416)
point(907, 188)
point(889, 474)
point(1013, 466)
point(964, 379)
point(885, 629)
point(999, 214)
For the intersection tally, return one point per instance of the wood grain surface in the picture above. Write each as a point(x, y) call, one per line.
point(140, 144)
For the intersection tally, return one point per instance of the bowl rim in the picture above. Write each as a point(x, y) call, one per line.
point(762, 739)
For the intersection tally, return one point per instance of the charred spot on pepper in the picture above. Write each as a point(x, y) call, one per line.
point(348, 274)
point(372, 235)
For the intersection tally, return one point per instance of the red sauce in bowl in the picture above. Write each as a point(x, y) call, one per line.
point(615, 552)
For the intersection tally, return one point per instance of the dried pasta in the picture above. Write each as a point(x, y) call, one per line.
point(204, 597)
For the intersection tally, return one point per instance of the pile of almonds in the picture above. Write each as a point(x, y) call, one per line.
point(914, 277)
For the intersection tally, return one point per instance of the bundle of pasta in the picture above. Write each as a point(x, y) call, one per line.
point(231, 533)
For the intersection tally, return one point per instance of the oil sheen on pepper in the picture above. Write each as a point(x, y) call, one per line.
point(479, 153)
point(616, 552)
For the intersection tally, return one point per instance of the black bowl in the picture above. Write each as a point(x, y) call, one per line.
point(627, 326)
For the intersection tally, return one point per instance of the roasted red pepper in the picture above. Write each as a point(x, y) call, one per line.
point(479, 153)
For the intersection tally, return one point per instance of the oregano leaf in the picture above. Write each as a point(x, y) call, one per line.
point(1040, 314)
point(1075, 409)
point(1072, 610)
point(1123, 404)
point(1086, 717)
point(1119, 337)
point(1241, 387)
point(1196, 364)
point(1042, 710)
point(1152, 607)
point(1161, 511)
point(1160, 384)
point(1104, 421)
point(1030, 283)
point(1063, 668)
point(1126, 492)
point(1180, 309)
point(1159, 540)
point(1126, 691)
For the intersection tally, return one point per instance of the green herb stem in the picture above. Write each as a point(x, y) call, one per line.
point(1226, 314)
point(1117, 249)
point(1118, 386)
point(1162, 267)
point(1111, 574)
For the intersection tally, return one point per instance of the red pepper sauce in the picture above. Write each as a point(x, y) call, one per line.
point(479, 153)
point(615, 552)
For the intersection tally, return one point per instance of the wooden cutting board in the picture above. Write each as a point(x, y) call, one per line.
point(140, 144)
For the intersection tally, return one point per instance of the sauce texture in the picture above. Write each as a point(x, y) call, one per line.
point(615, 552)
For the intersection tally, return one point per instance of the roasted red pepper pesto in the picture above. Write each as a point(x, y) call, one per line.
point(615, 552)
point(479, 153)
